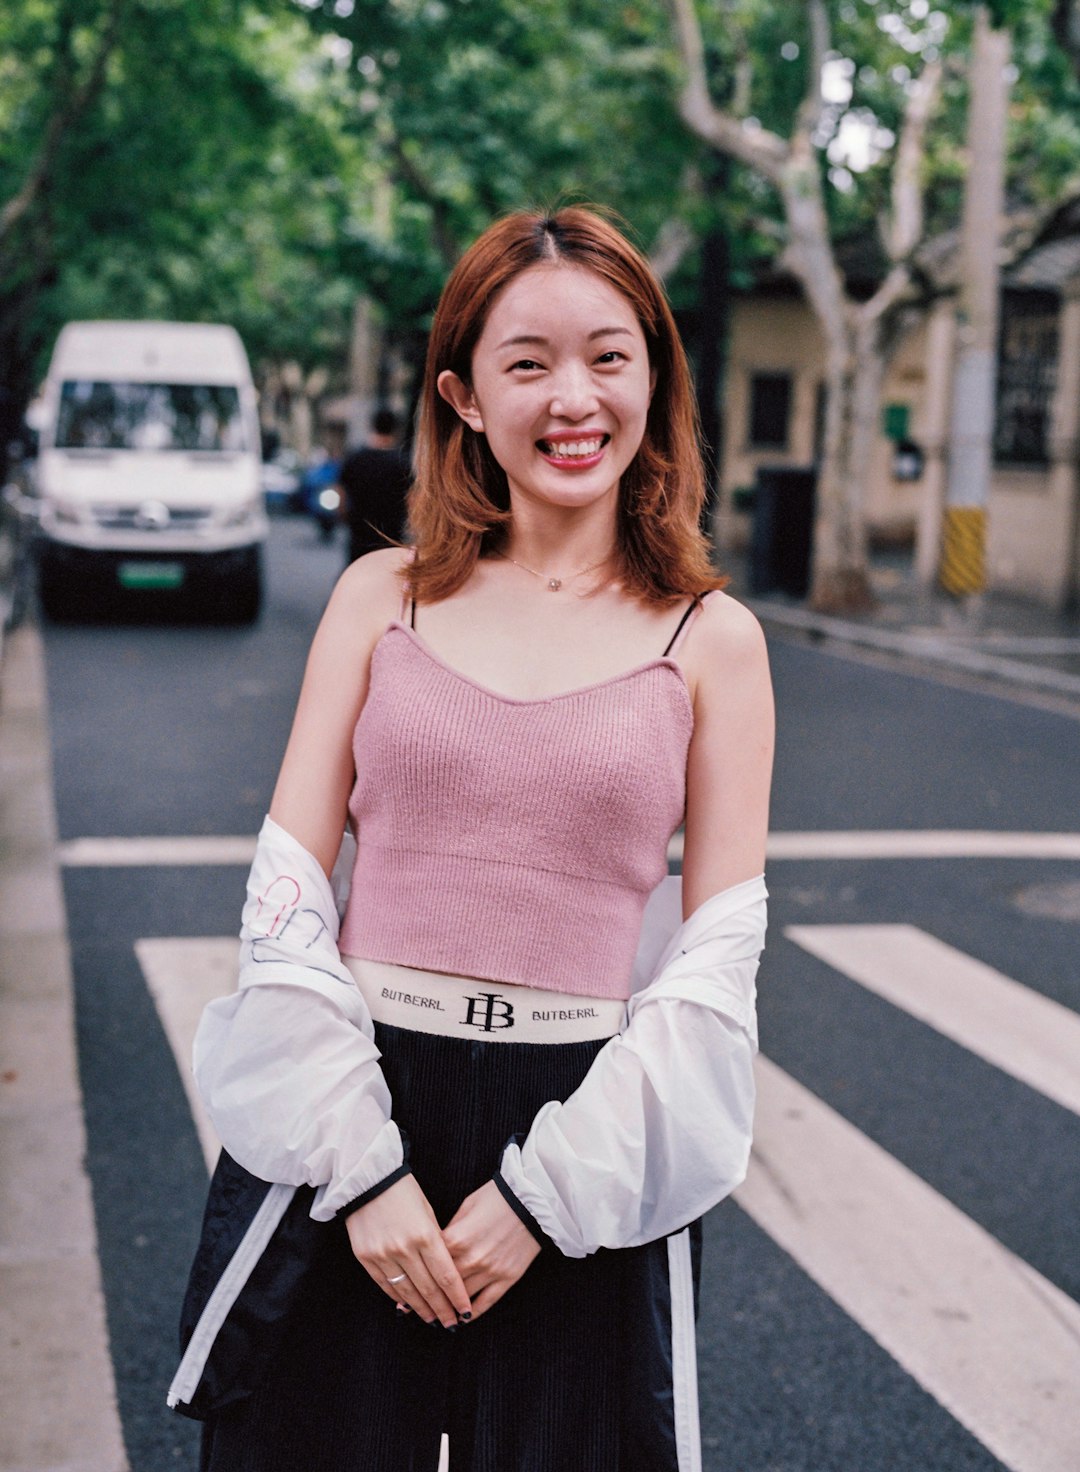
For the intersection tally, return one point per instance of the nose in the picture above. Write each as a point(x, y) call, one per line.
point(573, 393)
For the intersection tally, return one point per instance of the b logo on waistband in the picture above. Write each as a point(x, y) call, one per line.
point(488, 1012)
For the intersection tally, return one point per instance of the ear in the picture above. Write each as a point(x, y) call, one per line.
point(459, 396)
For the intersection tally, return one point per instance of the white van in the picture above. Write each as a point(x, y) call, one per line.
point(149, 468)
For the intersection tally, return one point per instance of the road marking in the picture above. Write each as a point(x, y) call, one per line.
point(981, 1331)
point(1018, 1030)
point(114, 853)
point(183, 973)
point(180, 851)
point(944, 843)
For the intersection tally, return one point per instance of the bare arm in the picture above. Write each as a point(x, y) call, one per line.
point(729, 767)
point(312, 793)
point(395, 1234)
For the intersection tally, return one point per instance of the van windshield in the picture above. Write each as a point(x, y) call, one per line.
point(149, 416)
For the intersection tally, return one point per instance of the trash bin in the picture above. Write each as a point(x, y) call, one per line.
point(782, 530)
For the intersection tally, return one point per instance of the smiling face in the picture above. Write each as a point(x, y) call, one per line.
point(561, 384)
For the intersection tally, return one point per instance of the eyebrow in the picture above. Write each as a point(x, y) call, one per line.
point(531, 339)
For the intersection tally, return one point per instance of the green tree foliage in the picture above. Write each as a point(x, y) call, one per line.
point(205, 174)
point(262, 161)
point(478, 107)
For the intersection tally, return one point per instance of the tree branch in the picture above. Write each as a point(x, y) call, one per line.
point(77, 100)
point(673, 240)
point(810, 110)
point(896, 288)
point(759, 148)
point(905, 225)
point(440, 210)
point(676, 237)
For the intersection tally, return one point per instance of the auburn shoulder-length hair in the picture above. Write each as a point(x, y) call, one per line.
point(459, 505)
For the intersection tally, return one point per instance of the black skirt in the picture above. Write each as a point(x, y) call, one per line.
point(586, 1365)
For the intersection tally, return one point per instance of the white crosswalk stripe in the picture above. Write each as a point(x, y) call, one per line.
point(986, 1335)
point(1029, 1036)
point(183, 973)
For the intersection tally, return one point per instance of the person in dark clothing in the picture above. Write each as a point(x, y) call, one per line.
point(374, 480)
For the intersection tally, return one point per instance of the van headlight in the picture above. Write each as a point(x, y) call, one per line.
point(66, 513)
point(242, 514)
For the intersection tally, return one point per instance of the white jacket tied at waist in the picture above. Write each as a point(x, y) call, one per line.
point(657, 1133)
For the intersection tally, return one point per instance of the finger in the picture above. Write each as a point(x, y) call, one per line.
point(476, 1282)
point(419, 1290)
point(412, 1301)
point(436, 1279)
point(444, 1272)
point(403, 1291)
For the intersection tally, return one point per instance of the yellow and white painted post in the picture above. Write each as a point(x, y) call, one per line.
point(962, 570)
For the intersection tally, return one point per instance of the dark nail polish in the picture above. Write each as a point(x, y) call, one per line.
point(450, 1328)
point(403, 1309)
point(465, 1317)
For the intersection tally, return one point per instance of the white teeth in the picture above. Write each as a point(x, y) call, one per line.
point(568, 449)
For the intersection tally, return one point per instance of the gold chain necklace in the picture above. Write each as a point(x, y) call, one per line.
point(554, 584)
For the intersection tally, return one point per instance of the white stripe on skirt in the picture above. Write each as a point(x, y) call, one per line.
point(228, 1289)
point(684, 1353)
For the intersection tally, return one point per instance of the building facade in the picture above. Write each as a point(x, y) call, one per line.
point(774, 410)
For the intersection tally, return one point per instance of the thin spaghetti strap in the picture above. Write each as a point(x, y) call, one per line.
point(407, 599)
point(677, 636)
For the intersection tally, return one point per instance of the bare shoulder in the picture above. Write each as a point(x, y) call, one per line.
point(725, 622)
point(368, 595)
point(726, 642)
point(375, 578)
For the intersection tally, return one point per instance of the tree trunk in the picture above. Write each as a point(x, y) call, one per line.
point(712, 335)
point(971, 434)
point(856, 374)
point(839, 574)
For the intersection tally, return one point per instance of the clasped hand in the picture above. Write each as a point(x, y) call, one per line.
point(451, 1275)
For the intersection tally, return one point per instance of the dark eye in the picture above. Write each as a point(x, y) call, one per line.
point(528, 364)
point(612, 356)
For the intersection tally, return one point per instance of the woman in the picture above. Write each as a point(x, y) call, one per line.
point(513, 717)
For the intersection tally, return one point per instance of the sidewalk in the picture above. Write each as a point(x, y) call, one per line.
point(999, 639)
point(56, 1379)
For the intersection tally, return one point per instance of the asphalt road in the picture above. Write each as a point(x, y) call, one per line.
point(171, 730)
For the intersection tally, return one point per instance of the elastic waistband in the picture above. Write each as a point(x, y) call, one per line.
point(462, 1006)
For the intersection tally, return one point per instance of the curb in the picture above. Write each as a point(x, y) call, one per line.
point(926, 647)
point(56, 1377)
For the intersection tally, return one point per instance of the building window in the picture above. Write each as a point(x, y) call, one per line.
point(1026, 378)
point(770, 410)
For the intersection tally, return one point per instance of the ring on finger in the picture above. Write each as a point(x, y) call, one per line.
point(399, 1279)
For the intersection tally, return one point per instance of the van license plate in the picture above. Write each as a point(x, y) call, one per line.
point(151, 574)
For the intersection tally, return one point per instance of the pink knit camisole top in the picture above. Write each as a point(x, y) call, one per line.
point(512, 840)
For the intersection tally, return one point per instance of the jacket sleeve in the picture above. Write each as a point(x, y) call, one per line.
point(659, 1130)
point(287, 1065)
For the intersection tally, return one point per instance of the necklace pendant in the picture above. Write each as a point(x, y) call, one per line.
point(554, 584)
